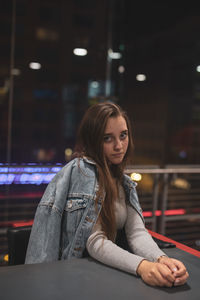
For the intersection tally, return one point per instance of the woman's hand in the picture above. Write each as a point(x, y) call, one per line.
point(156, 274)
point(177, 268)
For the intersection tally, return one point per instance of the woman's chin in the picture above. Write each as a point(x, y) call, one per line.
point(115, 161)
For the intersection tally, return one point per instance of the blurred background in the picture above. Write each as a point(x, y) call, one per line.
point(57, 57)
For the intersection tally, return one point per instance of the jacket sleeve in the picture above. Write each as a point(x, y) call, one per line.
point(44, 242)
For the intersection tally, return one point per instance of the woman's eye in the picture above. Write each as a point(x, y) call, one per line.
point(107, 139)
point(123, 135)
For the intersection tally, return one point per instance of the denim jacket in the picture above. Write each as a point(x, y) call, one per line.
point(67, 213)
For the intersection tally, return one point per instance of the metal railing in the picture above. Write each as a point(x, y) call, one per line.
point(163, 175)
point(40, 174)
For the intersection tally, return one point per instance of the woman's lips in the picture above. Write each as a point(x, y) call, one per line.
point(117, 155)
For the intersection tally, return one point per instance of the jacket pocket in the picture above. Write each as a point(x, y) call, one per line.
point(74, 204)
point(74, 211)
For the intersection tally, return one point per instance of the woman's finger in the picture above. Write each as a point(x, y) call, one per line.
point(166, 273)
point(181, 280)
point(169, 263)
point(181, 269)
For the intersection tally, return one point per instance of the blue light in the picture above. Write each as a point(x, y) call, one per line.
point(14, 170)
point(3, 170)
point(27, 174)
point(56, 169)
point(48, 177)
point(24, 179)
point(10, 178)
point(37, 169)
point(30, 170)
point(3, 179)
point(7, 178)
point(36, 178)
point(183, 154)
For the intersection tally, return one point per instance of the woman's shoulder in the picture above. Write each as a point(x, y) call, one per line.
point(83, 176)
point(80, 166)
point(78, 172)
point(128, 181)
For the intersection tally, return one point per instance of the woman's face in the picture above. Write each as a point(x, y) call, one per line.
point(115, 140)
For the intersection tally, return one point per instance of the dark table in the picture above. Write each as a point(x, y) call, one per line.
point(86, 279)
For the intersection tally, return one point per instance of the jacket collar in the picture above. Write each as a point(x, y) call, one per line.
point(89, 160)
point(127, 181)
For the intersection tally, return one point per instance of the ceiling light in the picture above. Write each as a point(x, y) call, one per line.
point(35, 65)
point(141, 77)
point(80, 51)
point(136, 176)
point(114, 55)
point(121, 69)
point(16, 72)
point(198, 68)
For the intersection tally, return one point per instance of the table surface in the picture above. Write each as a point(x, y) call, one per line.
point(86, 279)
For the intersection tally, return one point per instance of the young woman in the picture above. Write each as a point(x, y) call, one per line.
point(91, 199)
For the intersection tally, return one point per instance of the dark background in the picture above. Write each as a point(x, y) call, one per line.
point(40, 110)
point(159, 39)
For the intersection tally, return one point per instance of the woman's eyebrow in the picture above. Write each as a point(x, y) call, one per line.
point(111, 133)
point(124, 131)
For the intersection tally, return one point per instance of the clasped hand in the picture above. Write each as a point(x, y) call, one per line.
point(167, 272)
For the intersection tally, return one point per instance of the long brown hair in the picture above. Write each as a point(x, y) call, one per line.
point(90, 144)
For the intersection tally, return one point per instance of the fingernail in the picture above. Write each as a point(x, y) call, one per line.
point(174, 269)
point(176, 281)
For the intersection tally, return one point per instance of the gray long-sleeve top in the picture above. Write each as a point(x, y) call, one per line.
point(139, 240)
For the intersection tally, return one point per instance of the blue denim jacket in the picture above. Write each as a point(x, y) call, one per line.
point(66, 213)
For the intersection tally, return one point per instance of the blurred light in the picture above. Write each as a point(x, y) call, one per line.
point(95, 84)
point(68, 152)
point(197, 242)
point(16, 72)
point(114, 55)
point(47, 34)
point(55, 169)
point(147, 214)
point(45, 155)
point(96, 88)
point(43, 93)
point(35, 66)
point(21, 224)
point(6, 258)
point(27, 175)
point(141, 77)
point(136, 176)
point(173, 212)
point(121, 69)
point(181, 183)
point(170, 212)
point(121, 47)
point(80, 51)
point(182, 154)
point(4, 89)
point(198, 68)
point(41, 155)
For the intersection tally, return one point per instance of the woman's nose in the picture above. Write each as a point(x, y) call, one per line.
point(118, 144)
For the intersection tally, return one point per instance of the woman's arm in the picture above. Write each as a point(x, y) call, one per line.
point(158, 269)
point(139, 240)
point(107, 252)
